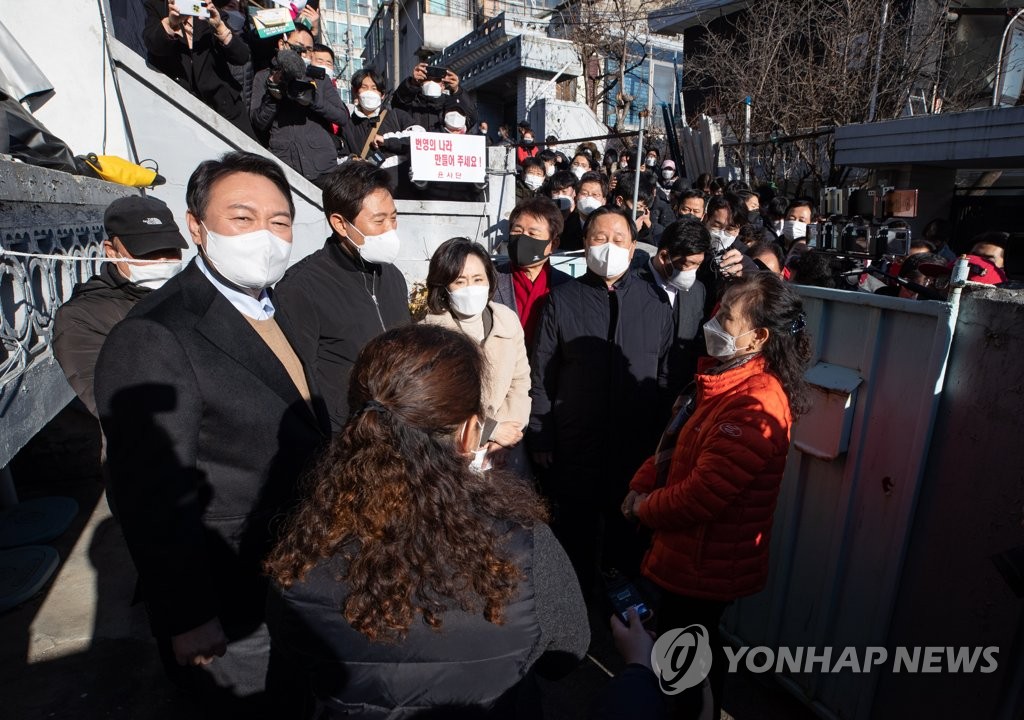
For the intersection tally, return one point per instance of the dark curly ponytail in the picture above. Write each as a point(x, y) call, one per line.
point(773, 304)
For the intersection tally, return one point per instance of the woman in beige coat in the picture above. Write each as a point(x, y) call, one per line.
point(460, 284)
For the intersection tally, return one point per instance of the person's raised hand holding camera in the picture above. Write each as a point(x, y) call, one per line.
point(419, 73)
point(310, 16)
point(174, 23)
point(220, 28)
point(731, 263)
point(451, 81)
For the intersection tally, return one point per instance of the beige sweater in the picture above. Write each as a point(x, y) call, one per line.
point(271, 333)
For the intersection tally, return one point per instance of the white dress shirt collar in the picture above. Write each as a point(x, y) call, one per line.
point(670, 290)
point(256, 308)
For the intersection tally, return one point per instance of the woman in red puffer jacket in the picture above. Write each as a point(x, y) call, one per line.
point(709, 494)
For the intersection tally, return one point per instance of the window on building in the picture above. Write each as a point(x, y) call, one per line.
point(565, 89)
point(637, 86)
point(365, 8)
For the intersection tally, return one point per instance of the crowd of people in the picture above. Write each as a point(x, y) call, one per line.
point(282, 91)
point(334, 511)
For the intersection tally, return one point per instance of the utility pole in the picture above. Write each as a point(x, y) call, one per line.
point(394, 41)
point(746, 140)
point(639, 161)
point(873, 103)
point(348, 43)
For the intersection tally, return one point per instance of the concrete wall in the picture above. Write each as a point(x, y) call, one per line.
point(971, 509)
point(45, 212)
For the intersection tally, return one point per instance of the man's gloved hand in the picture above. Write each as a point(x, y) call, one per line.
point(274, 87)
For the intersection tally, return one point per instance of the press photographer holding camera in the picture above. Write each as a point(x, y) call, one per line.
point(427, 93)
point(293, 107)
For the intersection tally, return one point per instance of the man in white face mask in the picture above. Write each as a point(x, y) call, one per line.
point(210, 419)
point(348, 292)
point(799, 214)
point(426, 93)
point(599, 376)
point(138, 228)
point(673, 269)
point(591, 193)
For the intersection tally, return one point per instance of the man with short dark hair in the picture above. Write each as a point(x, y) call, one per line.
point(138, 228)
point(530, 179)
point(293, 113)
point(348, 292)
point(799, 214)
point(591, 193)
point(210, 418)
point(322, 56)
point(525, 281)
point(673, 270)
point(991, 246)
point(376, 130)
point(561, 188)
point(599, 371)
point(689, 203)
point(767, 255)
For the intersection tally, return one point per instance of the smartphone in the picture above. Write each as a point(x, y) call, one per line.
point(623, 595)
point(193, 8)
point(436, 72)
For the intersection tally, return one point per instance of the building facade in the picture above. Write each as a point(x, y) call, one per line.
point(344, 24)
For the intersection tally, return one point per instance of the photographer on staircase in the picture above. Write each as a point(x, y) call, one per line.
point(293, 107)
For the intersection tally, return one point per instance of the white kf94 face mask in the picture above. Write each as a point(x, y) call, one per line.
point(683, 280)
point(154, 275)
point(607, 260)
point(469, 301)
point(381, 248)
point(720, 344)
point(253, 260)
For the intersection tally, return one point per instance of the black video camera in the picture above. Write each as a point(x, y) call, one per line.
point(297, 79)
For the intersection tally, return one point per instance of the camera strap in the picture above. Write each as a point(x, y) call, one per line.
point(373, 134)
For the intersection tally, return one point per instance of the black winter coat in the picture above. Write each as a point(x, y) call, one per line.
point(688, 341)
point(207, 70)
point(358, 129)
point(599, 372)
point(428, 112)
point(470, 668)
point(84, 321)
point(207, 436)
point(300, 136)
point(331, 305)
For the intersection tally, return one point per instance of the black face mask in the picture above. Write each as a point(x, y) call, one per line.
point(755, 219)
point(525, 250)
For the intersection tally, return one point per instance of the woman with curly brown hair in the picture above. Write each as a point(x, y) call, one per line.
point(408, 583)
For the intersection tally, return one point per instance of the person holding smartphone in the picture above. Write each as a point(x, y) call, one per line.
point(426, 93)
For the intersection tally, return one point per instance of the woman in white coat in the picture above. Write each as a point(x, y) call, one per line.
point(460, 284)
